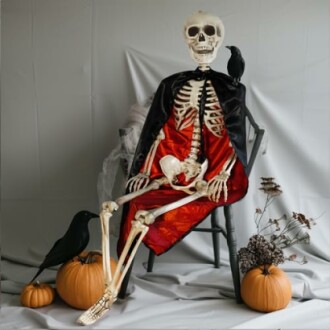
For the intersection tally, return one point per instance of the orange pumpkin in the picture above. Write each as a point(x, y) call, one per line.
point(37, 294)
point(266, 288)
point(80, 281)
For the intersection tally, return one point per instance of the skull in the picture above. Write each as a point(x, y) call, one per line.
point(204, 33)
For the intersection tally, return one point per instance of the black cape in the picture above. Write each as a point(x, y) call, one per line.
point(231, 98)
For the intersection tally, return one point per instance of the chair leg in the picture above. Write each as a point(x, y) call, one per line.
point(124, 285)
point(232, 247)
point(151, 260)
point(215, 238)
point(123, 288)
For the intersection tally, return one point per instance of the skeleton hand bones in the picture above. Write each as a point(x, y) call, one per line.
point(218, 183)
point(138, 182)
point(141, 180)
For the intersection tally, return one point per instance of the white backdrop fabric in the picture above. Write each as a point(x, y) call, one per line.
point(71, 71)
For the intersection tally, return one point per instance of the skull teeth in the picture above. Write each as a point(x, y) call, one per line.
point(203, 50)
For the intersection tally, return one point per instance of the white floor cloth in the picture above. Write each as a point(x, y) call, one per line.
point(179, 296)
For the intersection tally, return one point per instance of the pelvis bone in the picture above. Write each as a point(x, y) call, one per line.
point(172, 167)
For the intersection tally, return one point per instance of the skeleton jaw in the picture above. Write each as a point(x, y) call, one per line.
point(203, 56)
point(202, 49)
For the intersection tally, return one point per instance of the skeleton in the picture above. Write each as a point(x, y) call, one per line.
point(204, 34)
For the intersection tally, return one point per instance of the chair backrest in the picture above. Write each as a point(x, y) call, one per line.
point(259, 133)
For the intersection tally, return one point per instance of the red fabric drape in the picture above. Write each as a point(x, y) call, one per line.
point(174, 225)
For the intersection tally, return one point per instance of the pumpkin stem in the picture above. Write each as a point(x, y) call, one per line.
point(265, 269)
point(90, 257)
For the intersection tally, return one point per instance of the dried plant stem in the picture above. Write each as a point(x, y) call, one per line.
point(266, 247)
point(283, 241)
point(259, 216)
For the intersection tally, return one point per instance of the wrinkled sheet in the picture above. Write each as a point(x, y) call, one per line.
point(185, 296)
point(287, 92)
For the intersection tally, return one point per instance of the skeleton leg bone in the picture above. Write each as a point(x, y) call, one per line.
point(139, 229)
point(105, 217)
point(110, 294)
point(112, 284)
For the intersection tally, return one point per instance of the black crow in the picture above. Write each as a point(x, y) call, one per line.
point(71, 244)
point(236, 64)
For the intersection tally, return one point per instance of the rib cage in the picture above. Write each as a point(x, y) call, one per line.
point(187, 105)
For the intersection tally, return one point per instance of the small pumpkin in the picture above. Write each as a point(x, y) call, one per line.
point(37, 294)
point(80, 281)
point(266, 288)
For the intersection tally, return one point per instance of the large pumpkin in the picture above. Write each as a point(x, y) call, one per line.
point(37, 294)
point(80, 281)
point(266, 288)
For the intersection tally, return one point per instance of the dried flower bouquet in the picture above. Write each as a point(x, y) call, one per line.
point(266, 247)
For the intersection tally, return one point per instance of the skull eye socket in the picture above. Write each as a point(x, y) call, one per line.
point(193, 31)
point(209, 30)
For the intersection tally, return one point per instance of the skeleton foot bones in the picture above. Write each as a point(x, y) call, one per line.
point(98, 310)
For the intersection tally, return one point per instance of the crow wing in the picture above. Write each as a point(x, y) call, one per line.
point(65, 249)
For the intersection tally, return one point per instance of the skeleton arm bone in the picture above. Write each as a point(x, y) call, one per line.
point(141, 180)
point(218, 183)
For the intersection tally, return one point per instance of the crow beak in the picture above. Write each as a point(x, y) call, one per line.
point(228, 47)
point(94, 215)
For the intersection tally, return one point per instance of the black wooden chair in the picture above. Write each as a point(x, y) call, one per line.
point(216, 229)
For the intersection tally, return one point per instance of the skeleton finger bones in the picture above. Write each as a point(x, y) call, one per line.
point(138, 182)
point(218, 184)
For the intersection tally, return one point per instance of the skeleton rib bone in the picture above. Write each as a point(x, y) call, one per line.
point(187, 103)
